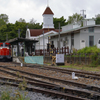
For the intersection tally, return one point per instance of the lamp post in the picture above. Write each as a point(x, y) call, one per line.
point(59, 39)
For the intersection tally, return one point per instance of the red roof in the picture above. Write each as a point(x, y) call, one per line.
point(48, 11)
point(37, 32)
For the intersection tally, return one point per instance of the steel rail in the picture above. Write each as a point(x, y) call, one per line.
point(90, 87)
point(74, 90)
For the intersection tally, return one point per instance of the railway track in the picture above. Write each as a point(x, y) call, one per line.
point(63, 70)
point(67, 71)
point(87, 92)
point(47, 89)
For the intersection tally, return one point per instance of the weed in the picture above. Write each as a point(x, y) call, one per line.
point(23, 84)
point(18, 96)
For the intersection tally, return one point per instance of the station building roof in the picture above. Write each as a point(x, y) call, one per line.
point(16, 40)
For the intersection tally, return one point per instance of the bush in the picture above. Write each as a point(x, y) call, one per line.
point(93, 52)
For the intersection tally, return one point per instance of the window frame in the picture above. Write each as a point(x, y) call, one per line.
point(91, 29)
point(91, 43)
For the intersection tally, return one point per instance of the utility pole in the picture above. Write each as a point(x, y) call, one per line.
point(19, 33)
point(43, 46)
point(83, 13)
point(59, 39)
point(6, 36)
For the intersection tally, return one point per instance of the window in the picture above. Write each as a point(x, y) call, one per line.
point(72, 42)
point(52, 42)
point(91, 40)
point(91, 29)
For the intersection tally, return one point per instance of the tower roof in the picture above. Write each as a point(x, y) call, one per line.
point(48, 11)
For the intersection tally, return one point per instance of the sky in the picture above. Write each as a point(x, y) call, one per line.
point(28, 9)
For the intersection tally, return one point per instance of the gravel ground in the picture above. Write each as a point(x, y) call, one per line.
point(59, 75)
point(27, 94)
point(49, 73)
point(55, 74)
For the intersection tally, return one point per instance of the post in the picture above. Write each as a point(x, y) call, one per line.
point(18, 49)
point(24, 48)
point(43, 46)
point(19, 33)
point(59, 38)
point(6, 37)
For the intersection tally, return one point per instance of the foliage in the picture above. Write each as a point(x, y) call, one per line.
point(22, 20)
point(93, 54)
point(6, 96)
point(74, 18)
point(23, 84)
point(34, 26)
point(12, 29)
point(2, 22)
point(20, 97)
point(91, 50)
point(97, 19)
point(61, 20)
point(4, 17)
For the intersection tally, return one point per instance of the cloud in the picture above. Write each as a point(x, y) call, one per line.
point(28, 9)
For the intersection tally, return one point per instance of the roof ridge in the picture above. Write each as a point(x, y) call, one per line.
point(48, 11)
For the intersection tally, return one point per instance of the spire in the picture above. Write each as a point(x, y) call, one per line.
point(47, 3)
point(48, 11)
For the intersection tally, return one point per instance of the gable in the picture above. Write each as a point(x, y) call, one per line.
point(48, 11)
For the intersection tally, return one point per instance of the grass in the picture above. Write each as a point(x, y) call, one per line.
point(82, 67)
point(5, 95)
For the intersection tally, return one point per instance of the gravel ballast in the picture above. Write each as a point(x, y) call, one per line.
point(31, 95)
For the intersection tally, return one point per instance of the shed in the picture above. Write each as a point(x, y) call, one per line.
point(27, 44)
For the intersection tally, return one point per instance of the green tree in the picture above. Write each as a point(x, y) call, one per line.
point(97, 19)
point(33, 25)
point(22, 27)
point(61, 20)
point(4, 17)
point(75, 18)
point(32, 21)
point(12, 29)
point(2, 22)
point(22, 20)
point(3, 29)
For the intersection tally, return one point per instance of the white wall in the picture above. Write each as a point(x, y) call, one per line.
point(39, 45)
point(88, 22)
point(70, 26)
point(48, 21)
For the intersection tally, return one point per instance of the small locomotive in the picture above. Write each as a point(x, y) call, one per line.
point(5, 52)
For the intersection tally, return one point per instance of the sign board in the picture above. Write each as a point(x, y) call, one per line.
point(60, 58)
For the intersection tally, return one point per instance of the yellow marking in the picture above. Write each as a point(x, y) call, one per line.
point(63, 88)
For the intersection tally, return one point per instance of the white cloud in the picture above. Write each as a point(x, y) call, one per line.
point(28, 9)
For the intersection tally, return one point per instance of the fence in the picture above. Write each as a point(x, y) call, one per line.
point(34, 59)
point(63, 50)
point(84, 58)
point(81, 59)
